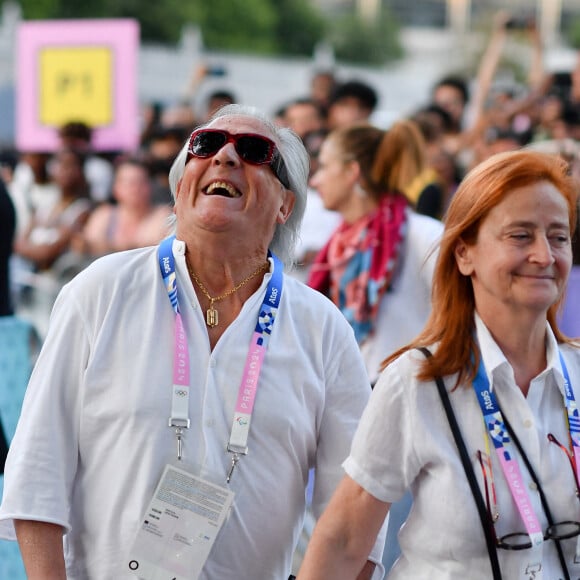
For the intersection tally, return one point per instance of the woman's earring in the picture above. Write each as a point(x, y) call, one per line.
point(358, 190)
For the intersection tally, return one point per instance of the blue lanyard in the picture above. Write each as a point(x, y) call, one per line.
point(179, 417)
point(501, 440)
point(573, 418)
point(252, 369)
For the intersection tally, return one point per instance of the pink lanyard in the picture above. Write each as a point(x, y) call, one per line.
point(238, 442)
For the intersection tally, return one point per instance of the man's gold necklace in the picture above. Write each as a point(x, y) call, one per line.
point(211, 314)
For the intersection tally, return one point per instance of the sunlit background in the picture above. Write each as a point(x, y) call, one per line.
point(265, 51)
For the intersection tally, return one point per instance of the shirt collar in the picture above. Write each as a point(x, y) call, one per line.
point(496, 363)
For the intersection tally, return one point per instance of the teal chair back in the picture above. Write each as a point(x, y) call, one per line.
point(17, 338)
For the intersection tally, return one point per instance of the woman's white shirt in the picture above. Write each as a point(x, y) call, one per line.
point(404, 441)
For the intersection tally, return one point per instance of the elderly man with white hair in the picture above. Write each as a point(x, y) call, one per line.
point(185, 391)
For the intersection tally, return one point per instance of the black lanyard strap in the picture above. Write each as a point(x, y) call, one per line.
point(486, 522)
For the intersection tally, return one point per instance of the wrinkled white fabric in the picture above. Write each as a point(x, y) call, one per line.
point(93, 437)
point(404, 441)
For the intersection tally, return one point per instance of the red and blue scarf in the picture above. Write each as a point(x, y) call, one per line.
point(356, 266)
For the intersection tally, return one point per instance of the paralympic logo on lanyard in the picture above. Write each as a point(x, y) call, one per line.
point(254, 360)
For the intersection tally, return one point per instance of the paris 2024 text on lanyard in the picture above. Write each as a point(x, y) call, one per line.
point(187, 512)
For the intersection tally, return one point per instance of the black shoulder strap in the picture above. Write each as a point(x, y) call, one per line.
point(3, 448)
point(483, 514)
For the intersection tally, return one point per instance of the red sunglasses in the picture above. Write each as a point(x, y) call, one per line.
point(252, 148)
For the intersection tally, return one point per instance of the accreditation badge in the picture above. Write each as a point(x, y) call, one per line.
point(179, 528)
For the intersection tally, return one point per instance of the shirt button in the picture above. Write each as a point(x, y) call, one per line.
point(533, 486)
point(528, 423)
point(212, 362)
point(194, 304)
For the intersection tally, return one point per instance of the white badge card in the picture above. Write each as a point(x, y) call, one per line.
point(180, 527)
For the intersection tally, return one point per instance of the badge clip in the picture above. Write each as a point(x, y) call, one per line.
point(178, 435)
point(236, 451)
point(235, 459)
point(180, 425)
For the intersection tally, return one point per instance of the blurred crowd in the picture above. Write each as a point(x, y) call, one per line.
point(370, 186)
point(72, 205)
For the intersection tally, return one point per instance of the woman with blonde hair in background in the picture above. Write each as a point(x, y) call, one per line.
point(375, 266)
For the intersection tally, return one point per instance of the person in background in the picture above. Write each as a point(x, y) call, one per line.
point(132, 221)
point(375, 266)
point(313, 141)
point(417, 179)
point(51, 231)
point(161, 148)
point(7, 232)
point(150, 119)
point(495, 140)
point(303, 116)
point(32, 187)
point(306, 118)
point(98, 171)
point(451, 93)
point(318, 223)
point(571, 121)
point(473, 114)
point(351, 102)
point(217, 99)
point(433, 122)
point(34, 193)
point(178, 115)
point(322, 84)
point(512, 379)
point(259, 394)
point(44, 258)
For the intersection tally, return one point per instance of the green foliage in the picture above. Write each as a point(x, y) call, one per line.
point(159, 21)
point(572, 32)
point(243, 25)
point(34, 10)
point(357, 41)
point(267, 26)
point(299, 27)
point(286, 27)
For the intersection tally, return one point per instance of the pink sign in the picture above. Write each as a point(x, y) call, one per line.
point(77, 70)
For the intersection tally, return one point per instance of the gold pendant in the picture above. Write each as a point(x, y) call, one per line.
point(211, 317)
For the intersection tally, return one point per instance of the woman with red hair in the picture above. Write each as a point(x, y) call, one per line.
point(508, 506)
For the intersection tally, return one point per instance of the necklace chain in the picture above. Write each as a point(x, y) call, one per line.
point(211, 314)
